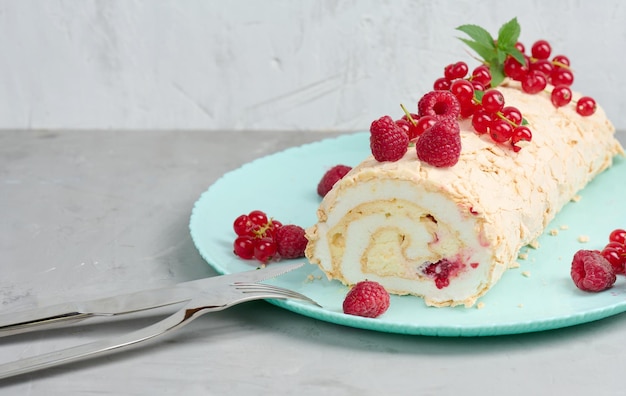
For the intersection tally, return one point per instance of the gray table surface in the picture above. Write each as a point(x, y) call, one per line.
point(94, 213)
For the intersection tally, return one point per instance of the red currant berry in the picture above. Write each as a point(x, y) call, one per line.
point(243, 226)
point(463, 90)
point(614, 258)
point(561, 61)
point(520, 47)
point(481, 121)
point(586, 106)
point(258, 218)
point(272, 227)
point(403, 124)
point(244, 247)
point(514, 69)
point(493, 101)
point(512, 114)
point(441, 84)
point(500, 131)
point(541, 49)
point(620, 247)
point(409, 126)
point(561, 96)
point(467, 109)
point(562, 76)
point(424, 123)
point(414, 116)
point(456, 70)
point(264, 249)
point(542, 65)
point(520, 134)
point(618, 235)
point(534, 82)
point(482, 74)
point(478, 86)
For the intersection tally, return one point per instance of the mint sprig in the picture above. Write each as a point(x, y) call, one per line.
point(494, 51)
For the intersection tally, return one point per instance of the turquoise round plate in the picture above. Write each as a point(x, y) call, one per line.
point(539, 295)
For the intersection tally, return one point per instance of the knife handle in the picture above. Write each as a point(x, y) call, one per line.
point(40, 319)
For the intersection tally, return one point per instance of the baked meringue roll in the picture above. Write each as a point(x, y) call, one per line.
point(449, 234)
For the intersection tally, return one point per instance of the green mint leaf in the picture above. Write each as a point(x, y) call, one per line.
point(484, 52)
point(497, 74)
point(509, 34)
point(478, 34)
point(501, 56)
point(479, 95)
point(515, 53)
point(524, 121)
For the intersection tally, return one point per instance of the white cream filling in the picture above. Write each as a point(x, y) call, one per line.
point(435, 229)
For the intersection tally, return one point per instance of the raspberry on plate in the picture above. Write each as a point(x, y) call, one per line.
point(592, 272)
point(290, 241)
point(367, 298)
point(332, 176)
point(388, 141)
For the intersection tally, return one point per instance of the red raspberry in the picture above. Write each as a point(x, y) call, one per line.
point(290, 241)
point(366, 298)
point(592, 272)
point(388, 141)
point(439, 104)
point(332, 176)
point(440, 145)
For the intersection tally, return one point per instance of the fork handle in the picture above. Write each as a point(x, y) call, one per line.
point(85, 351)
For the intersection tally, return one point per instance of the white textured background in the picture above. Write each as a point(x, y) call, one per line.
point(323, 65)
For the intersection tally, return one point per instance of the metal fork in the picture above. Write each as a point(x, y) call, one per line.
point(204, 302)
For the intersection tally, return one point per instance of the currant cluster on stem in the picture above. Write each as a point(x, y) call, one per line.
point(615, 250)
point(255, 233)
point(538, 70)
point(484, 105)
point(264, 239)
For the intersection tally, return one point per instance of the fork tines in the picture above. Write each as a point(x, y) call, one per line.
point(271, 290)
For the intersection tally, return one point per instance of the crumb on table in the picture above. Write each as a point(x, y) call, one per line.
point(514, 264)
point(583, 238)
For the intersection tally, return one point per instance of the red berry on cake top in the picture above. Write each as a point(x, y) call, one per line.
point(368, 299)
point(388, 141)
point(439, 105)
point(440, 145)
